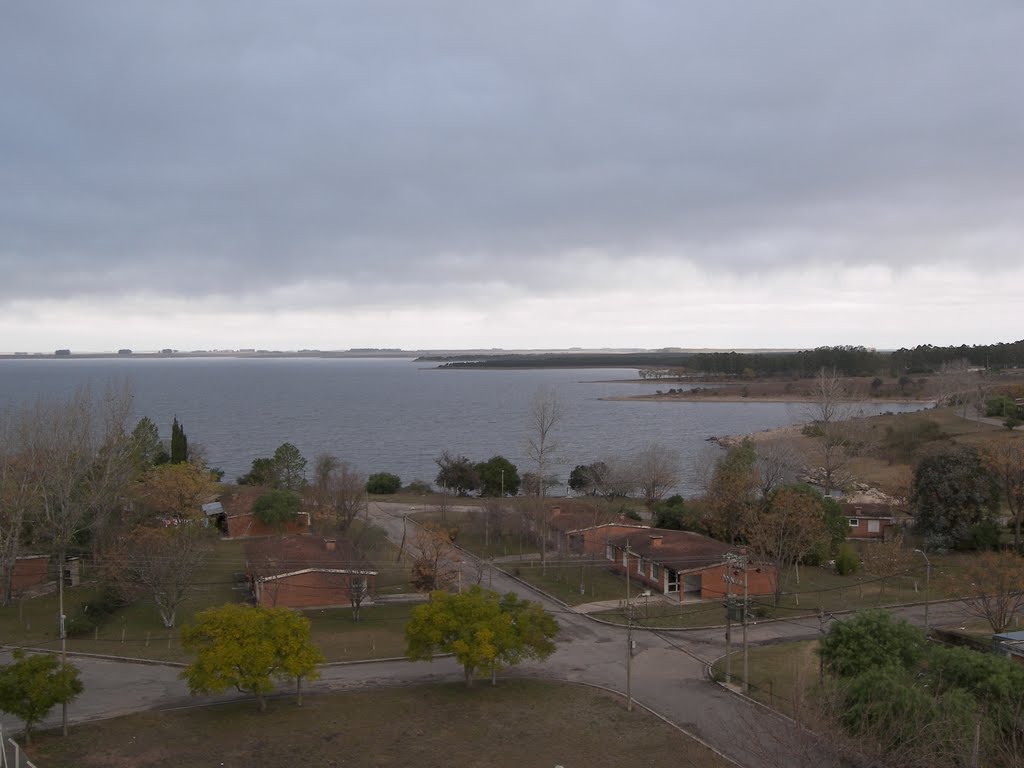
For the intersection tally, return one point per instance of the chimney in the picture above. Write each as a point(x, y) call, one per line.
point(330, 544)
point(656, 541)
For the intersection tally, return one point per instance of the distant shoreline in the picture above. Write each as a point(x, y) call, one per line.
point(231, 354)
point(703, 397)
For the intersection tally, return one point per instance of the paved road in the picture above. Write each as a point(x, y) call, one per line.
point(668, 674)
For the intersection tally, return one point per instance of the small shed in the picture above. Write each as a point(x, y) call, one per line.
point(1009, 644)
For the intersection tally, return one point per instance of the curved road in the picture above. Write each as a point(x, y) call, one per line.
point(668, 674)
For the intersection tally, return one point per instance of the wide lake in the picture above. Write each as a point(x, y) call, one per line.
point(393, 415)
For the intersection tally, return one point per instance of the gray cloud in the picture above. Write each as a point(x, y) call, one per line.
point(197, 148)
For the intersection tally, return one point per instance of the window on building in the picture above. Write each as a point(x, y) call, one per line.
point(854, 522)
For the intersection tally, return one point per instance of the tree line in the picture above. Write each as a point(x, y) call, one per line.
point(847, 360)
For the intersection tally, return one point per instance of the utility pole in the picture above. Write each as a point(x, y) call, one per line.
point(927, 587)
point(63, 636)
point(727, 578)
point(746, 658)
point(629, 640)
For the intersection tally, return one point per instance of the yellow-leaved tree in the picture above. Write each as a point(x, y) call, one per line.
point(247, 648)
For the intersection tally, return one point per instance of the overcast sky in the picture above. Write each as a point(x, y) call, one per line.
point(426, 174)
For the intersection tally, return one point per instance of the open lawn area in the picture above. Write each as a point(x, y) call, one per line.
point(572, 583)
point(818, 588)
point(519, 723)
point(782, 675)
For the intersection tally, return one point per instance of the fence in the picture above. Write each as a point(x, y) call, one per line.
point(17, 758)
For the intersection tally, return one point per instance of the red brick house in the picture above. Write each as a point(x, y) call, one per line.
point(583, 529)
point(683, 563)
point(307, 572)
point(870, 521)
point(30, 572)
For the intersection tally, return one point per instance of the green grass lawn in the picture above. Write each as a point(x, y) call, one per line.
point(518, 723)
point(564, 580)
point(783, 675)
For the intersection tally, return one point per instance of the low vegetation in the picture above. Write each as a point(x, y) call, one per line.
point(517, 723)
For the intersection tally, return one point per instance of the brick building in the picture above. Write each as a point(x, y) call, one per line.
point(307, 572)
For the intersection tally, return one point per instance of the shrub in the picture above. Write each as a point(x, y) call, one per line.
point(383, 482)
point(420, 487)
point(847, 560)
point(94, 614)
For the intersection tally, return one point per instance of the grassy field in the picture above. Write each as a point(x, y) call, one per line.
point(519, 723)
point(818, 588)
point(135, 631)
point(783, 675)
point(572, 583)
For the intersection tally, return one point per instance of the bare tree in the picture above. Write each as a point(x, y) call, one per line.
point(994, 580)
point(958, 385)
point(435, 560)
point(73, 448)
point(778, 462)
point(161, 564)
point(338, 490)
point(358, 591)
point(15, 502)
point(886, 559)
point(785, 530)
point(1006, 460)
point(542, 419)
point(656, 471)
point(830, 408)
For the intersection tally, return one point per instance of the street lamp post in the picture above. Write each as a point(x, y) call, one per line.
point(927, 586)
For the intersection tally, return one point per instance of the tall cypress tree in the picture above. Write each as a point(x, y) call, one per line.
point(179, 443)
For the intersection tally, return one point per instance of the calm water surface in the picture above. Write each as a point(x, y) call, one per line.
point(391, 415)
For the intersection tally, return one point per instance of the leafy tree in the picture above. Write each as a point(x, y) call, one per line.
point(869, 640)
point(498, 475)
point(289, 468)
point(177, 490)
point(585, 478)
point(675, 514)
point(146, 445)
point(383, 483)
point(456, 473)
point(261, 472)
point(732, 492)
point(33, 685)
point(481, 629)
point(160, 564)
point(179, 443)
point(277, 508)
point(246, 648)
point(951, 492)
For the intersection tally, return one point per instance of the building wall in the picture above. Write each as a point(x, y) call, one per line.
point(862, 530)
point(654, 575)
point(309, 590)
point(29, 572)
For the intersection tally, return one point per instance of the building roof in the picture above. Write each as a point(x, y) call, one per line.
point(874, 510)
point(275, 557)
point(579, 516)
point(1012, 637)
point(213, 508)
point(680, 550)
